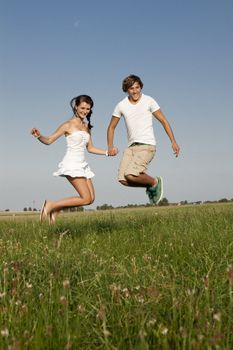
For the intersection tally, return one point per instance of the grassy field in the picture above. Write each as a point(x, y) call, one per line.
point(155, 278)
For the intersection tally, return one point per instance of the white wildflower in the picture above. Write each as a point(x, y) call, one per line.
point(4, 332)
point(66, 284)
point(163, 330)
point(217, 316)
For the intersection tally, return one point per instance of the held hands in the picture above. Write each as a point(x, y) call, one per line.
point(176, 149)
point(35, 132)
point(112, 151)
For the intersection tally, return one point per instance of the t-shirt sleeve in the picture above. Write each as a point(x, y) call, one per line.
point(117, 113)
point(154, 106)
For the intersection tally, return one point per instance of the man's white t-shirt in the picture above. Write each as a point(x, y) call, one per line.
point(138, 119)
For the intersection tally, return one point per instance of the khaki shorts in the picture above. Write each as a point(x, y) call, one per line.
point(135, 160)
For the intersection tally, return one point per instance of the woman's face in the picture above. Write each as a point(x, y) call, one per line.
point(83, 109)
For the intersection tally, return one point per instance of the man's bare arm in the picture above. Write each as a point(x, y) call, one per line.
point(163, 120)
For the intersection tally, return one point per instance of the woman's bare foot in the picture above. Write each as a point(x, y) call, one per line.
point(46, 209)
point(53, 216)
point(43, 212)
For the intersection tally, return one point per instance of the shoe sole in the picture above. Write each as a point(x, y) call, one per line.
point(161, 192)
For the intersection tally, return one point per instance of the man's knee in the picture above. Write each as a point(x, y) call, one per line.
point(123, 182)
point(131, 178)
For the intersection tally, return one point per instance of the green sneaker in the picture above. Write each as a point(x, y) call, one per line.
point(150, 195)
point(155, 194)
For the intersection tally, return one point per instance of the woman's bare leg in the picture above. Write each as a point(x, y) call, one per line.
point(91, 189)
point(55, 213)
point(85, 190)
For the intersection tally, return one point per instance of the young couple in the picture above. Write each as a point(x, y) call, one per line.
point(138, 111)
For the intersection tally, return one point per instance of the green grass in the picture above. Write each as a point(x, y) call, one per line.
point(155, 278)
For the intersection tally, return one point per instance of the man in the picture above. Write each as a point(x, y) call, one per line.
point(138, 111)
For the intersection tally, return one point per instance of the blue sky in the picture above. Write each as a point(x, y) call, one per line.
point(53, 50)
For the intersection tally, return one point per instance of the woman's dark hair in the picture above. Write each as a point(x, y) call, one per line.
point(129, 81)
point(76, 102)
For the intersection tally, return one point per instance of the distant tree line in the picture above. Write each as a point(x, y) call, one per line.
point(105, 206)
point(222, 200)
point(72, 210)
point(29, 209)
point(65, 210)
point(163, 202)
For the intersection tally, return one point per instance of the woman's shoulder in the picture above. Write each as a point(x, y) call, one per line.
point(63, 126)
point(66, 126)
point(69, 124)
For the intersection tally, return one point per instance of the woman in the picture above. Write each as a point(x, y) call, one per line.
point(73, 166)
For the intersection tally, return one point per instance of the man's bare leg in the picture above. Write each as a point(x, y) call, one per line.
point(142, 180)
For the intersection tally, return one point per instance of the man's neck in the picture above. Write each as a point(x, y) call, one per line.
point(134, 101)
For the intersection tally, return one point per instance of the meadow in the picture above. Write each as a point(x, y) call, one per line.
point(140, 279)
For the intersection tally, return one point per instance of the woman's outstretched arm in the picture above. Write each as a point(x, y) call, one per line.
point(47, 140)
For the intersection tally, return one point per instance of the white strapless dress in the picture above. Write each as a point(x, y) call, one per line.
point(74, 163)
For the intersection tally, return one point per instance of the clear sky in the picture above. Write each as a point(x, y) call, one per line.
point(54, 50)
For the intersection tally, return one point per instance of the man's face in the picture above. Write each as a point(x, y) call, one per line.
point(134, 92)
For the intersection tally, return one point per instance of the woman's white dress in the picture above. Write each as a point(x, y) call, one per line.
point(74, 163)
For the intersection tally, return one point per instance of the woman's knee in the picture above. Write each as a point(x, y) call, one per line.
point(92, 200)
point(88, 200)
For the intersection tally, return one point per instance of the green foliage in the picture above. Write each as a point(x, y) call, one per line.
point(163, 202)
point(223, 200)
point(104, 207)
point(151, 278)
point(74, 209)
